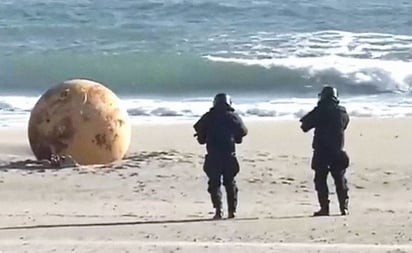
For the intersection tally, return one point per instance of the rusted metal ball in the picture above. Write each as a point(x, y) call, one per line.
point(81, 118)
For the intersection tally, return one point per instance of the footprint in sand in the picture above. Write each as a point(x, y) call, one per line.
point(287, 180)
point(248, 160)
point(254, 180)
point(358, 186)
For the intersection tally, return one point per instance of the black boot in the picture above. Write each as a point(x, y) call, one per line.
point(231, 214)
point(218, 214)
point(231, 202)
point(322, 212)
point(216, 198)
point(343, 200)
point(231, 209)
point(324, 207)
point(344, 206)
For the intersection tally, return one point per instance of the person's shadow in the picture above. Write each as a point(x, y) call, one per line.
point(152, 222)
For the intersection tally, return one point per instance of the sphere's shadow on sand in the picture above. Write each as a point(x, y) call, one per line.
point(68, 162)
point(38, 165)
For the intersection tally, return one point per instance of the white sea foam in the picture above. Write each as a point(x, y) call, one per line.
point(15, 111)
point(384, 75)
point(382, 61)
point(323, 43)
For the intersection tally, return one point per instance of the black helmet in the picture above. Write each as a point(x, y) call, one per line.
point(329, 93)
point(222, 99)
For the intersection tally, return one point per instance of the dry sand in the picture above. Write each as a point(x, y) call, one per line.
point(155, 200)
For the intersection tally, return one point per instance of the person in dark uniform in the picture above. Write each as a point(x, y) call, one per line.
point(220, 129)
point(330, 121)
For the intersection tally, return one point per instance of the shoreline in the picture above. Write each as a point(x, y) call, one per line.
point(367, 130)
point(270, 134)
point(16, 110)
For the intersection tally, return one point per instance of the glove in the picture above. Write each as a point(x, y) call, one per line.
point(200, 138)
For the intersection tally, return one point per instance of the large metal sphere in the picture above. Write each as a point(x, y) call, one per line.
point(80, 118)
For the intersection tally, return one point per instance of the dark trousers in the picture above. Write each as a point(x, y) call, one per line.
point(336, 163)
point(218, 167)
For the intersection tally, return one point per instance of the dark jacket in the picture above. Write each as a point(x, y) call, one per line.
point(220, 128)
point(330, 121)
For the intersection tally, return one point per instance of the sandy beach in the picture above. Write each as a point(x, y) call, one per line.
point(155, 200)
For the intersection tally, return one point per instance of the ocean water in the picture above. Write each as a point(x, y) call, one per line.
point(166, 59)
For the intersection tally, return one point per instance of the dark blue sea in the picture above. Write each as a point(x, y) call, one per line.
point(168, 58)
